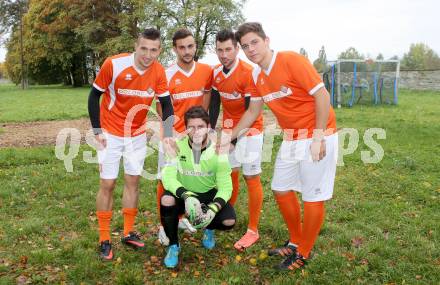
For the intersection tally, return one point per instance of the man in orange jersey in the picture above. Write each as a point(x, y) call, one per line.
point(306, 162)
point(129, 82)
point(232, 88)
point(189, 84)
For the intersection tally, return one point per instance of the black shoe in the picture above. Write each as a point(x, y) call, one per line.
point(286, 250)
point(293, 262)
point(133, 240)
point(105, 251)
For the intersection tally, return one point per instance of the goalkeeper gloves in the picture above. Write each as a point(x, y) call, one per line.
point(193, 207)
point(206, 218)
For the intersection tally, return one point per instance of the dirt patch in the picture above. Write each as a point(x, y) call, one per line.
point(45, 132)
point(38, 133)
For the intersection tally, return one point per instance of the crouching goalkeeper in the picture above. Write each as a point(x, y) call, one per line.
point(197, 182)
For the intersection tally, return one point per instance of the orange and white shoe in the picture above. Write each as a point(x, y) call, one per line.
point(249, 238)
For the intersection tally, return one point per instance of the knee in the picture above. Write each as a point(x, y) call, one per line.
point(107, 186)
point(167, 201)
point(229, 223)
point(131, 183)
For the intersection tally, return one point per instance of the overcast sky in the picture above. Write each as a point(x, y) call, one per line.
point(371, 26)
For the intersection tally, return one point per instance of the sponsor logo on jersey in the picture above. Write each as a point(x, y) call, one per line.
point(186, 95)
point(196, 173)
point(230, 96)
point(128, 76)
point(284, 92)
point(178, 81)
point(136, 93)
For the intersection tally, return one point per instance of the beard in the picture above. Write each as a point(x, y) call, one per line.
point(187, 58)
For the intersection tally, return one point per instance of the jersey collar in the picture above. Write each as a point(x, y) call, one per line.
point(272, 62)
point(187, 74)
point(140, 72)
point(226, 75)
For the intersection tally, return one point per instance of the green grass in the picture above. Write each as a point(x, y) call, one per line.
point(381, 227)
point(42, 103)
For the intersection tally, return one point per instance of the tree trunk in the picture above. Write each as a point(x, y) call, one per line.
point(22, 53)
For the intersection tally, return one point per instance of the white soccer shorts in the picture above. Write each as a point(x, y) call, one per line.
point(132, 149)
point(247, 154)
point(295, 170)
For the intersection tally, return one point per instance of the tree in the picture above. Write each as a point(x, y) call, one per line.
point(380, 57)
point(321, 62)
point(303, 52)
point(203, 17)
point(420, 57)
point(67, 40)
point(11, 19)
point(351, 53)
point(3, 73)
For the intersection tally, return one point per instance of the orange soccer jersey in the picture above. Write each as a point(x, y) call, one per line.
point(287, 87)
point(233, 87)
point(187, 89)
point(128, 93)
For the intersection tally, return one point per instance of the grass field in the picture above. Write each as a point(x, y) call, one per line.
point(382, 227)
point(42, 103)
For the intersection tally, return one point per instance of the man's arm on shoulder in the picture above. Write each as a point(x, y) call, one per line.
point(223, 180)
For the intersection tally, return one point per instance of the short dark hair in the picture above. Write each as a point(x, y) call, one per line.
point(181, 34)
point(196, 112)
point(224, 35)
point(150, 34)
point(250, 27)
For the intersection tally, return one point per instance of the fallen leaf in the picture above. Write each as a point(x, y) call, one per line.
point(21, 280)
point(238, 258)
point(357, 241)
point(349, 256)
point(430, 232)
point(174, 274)
point(154, 259)
point(23, 260)
point(263, 255)
point(418, 277)
point(253, 261)
point(304, 273)
point(196, 273)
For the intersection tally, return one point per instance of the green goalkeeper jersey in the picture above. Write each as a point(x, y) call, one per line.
point(198, 173)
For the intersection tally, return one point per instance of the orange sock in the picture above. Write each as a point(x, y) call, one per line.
point(104, 218)
point(314, 213)
point(290, 209)
point(129, 218)
point(235, 187)
point(159, 192)
point(255, 201)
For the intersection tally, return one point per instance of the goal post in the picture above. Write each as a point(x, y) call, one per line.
point(362, 82)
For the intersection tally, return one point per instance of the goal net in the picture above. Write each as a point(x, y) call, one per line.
point(362, 82)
